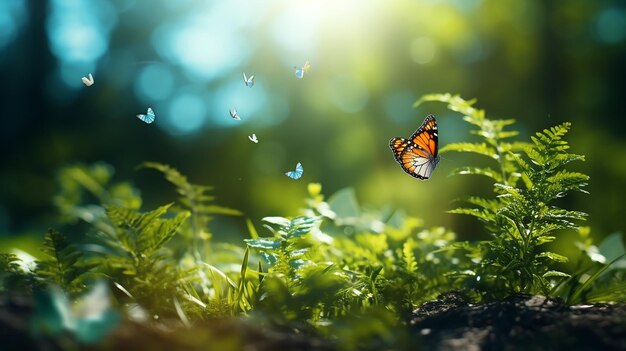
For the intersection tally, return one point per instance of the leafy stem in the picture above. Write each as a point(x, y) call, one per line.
point(523, 208)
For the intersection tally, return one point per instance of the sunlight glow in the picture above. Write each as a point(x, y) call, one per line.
point(348, 93)
point(206, 50)
point(12, 18)
point(423, 50)
point(155, 82)
point(79, 31)
point(186, 113)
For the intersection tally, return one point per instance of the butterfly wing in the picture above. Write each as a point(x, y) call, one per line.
point(418, 155)
point(234, 114)
point(148, 117)
point(426, 137)
point(299, 72)
point(297, 174)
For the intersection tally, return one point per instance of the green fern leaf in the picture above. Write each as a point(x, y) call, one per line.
point(551, 274)
point(62, 265)
point(477, 148)
point(409, 256)
point(552, 256)
point(486, 171)
point(478, 213)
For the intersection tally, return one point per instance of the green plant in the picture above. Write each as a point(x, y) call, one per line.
point(155, 259)
point(338, 262)
point(599, 274)
point(193, 198)
point(12, 276)
point(62, 266)
point(336, 269)
point(522, 216)
point(137, 258)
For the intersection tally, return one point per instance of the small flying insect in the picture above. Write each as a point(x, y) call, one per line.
point(297, 173)
point(88, 81)
point(253, 138)
point(234, 114)
point(300, 71)
point(148, 117)
point(248, 80)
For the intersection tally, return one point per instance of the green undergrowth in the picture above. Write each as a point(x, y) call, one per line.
point(333, 269)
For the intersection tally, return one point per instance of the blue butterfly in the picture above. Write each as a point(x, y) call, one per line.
point(297, 173)
point(300, 71)
point(148, 117)
point(248, 80)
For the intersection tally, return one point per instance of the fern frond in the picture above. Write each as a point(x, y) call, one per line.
point(61, 265)
point(149, 231)
point(194, 198)
point(9, 263)
point(488, 204)
point(455, 103)
point(552, 256)
point(183, 186)
point(477, 148)
point(520, 219)
point(485, 171)
point(409, 256)
point(485, 216)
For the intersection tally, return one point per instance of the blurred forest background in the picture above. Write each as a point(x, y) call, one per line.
point(540, 62)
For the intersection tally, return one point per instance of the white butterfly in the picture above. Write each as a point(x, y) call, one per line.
point(88, 82)
point(234, 114)
point(248, 80)
point(253, 138)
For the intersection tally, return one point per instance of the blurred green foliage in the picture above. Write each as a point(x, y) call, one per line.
point(540, 62)
point(339, 262)
point(340, 271)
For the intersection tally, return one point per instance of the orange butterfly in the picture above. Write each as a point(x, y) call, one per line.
point(418, 154)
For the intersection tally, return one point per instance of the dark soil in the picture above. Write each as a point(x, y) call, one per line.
point(449, 323)
point(519, 323)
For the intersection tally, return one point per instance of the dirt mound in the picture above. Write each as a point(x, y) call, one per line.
point(519, 323)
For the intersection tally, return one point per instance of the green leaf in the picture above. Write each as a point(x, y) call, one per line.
point(493, 174)
point(550, 274)
point(344, 203)
point(183, 186)
point(279, 221)
point(131, 219)
point(264, 243)
point(508, 134)
point(269, 258)
point(612, 247)
point(164, 230)
point(299, 263)
point(62, 265)
point(301, 225)
point(481, 214)
point(477, 148)
point(214, 209)
point(409, 256)
point(552, 256)
point(251, 229)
